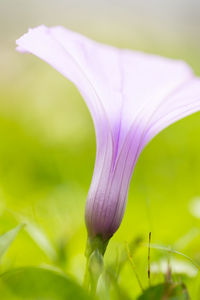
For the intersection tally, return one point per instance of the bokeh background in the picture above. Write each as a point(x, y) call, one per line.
point(47, 148)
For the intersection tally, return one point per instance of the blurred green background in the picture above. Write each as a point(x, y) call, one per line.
point(47, 137)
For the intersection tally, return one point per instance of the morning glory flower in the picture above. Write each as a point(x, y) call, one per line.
point(131, 96)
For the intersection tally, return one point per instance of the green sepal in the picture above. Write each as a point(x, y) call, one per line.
point(96, 243)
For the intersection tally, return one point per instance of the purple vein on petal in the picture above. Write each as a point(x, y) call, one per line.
point(139, 149)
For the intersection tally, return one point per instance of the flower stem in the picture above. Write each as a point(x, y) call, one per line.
point(94, 253)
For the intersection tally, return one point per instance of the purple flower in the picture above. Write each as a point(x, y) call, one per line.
point(131, 96)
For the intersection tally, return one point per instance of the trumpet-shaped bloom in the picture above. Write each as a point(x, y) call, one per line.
point(131, 96)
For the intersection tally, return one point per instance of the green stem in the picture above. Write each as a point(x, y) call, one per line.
point(94, 253)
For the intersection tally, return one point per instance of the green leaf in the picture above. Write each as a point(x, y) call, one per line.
point(42, 284)
point(7, 238)
point(40, 238)
point(167, 291)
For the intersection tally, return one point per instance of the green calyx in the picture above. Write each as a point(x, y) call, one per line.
point(95, 249)
point(96, 243)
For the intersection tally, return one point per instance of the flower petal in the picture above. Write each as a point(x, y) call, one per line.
point(180, 104)
point(65, 51)
point(132, 96)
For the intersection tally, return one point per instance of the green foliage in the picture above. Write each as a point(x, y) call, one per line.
point(40, 283)
point(7, 238)
point(168, 291)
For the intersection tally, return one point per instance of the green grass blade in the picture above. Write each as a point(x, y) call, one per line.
point(7, 238)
